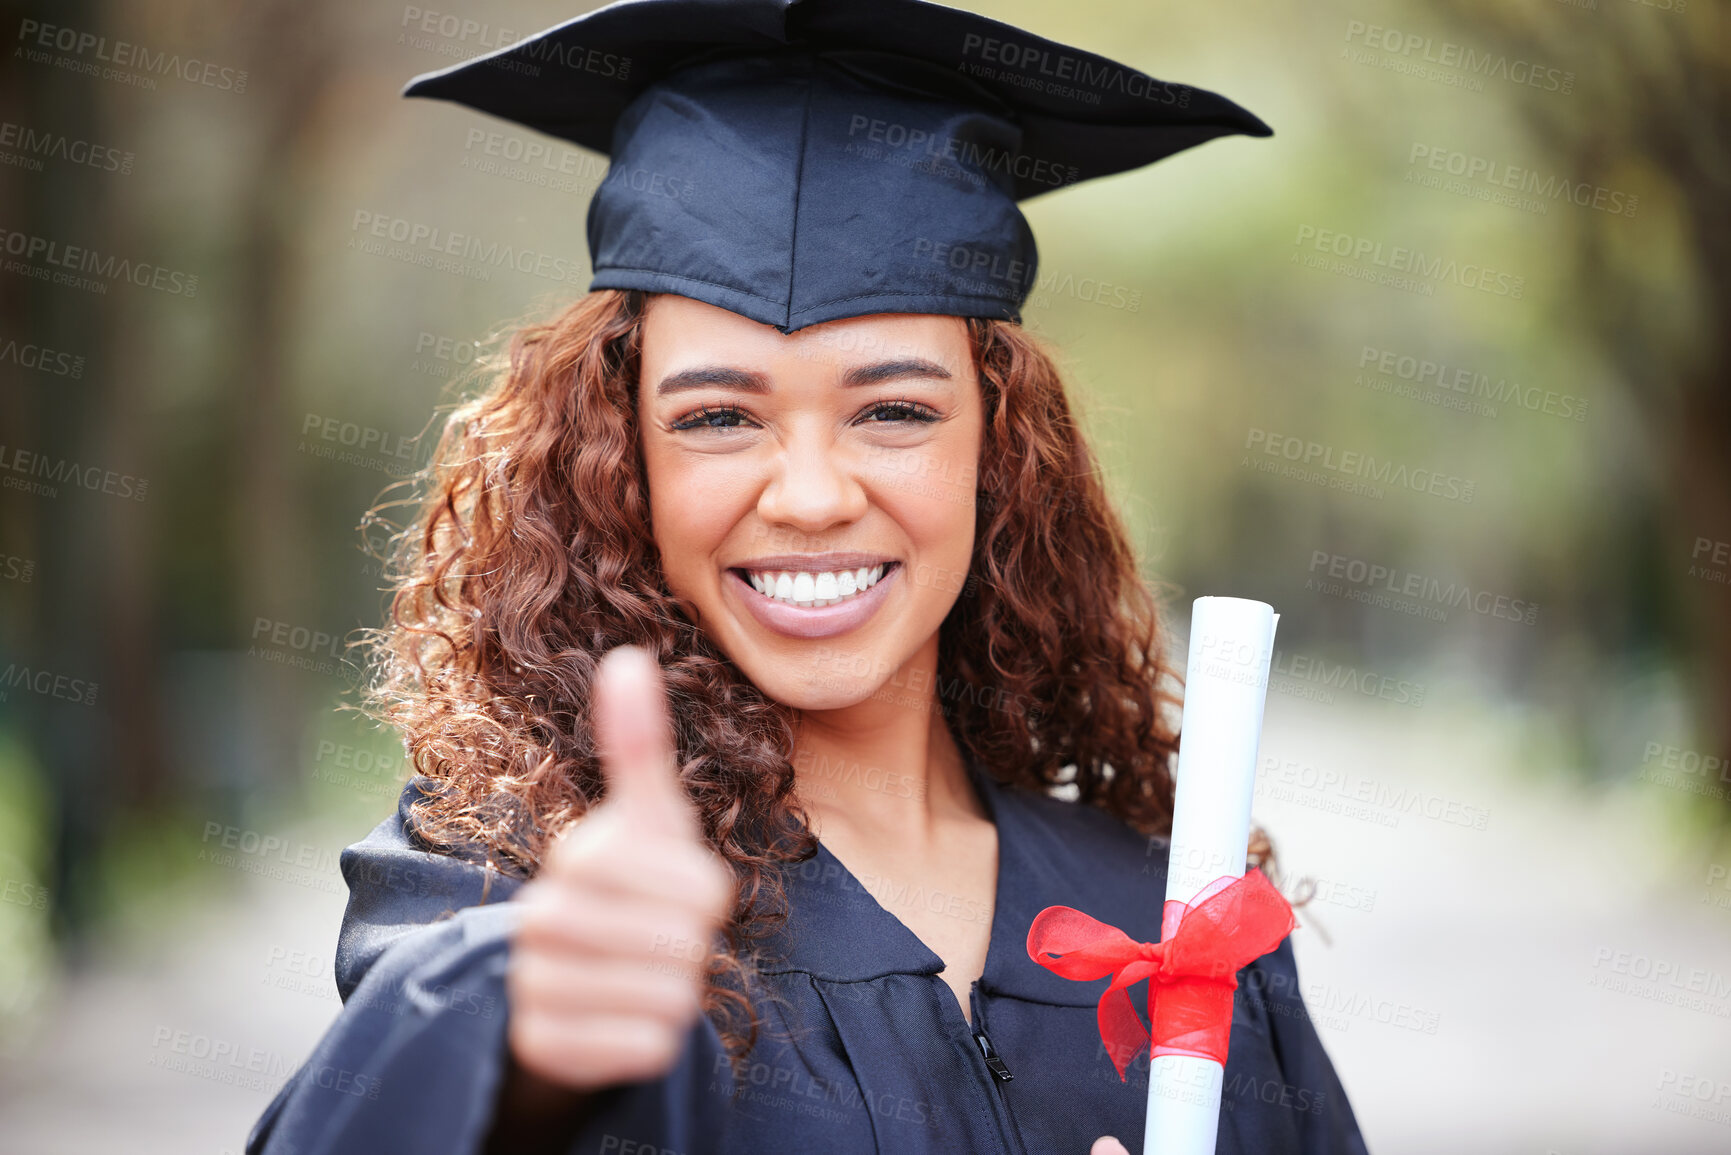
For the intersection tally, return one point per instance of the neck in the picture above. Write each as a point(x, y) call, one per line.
point(886, 766)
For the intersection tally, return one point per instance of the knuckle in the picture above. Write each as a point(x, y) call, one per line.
point(718, 880)
point(679, 992)
point(683, 936)
point(535, 1043)
point(543, 919)
point(652, 1048)
point(526, 979)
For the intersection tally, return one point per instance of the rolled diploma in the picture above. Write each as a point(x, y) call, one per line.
point(1225, 686)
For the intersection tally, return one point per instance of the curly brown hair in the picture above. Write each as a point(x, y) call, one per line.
point(530, 555)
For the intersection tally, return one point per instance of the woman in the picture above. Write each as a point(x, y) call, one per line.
point(756, 614)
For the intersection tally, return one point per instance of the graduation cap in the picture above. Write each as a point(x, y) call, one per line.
point(800, 161)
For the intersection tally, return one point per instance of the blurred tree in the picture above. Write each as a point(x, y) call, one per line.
point(80, 619)
point(95, 608)
point(293, 48)
point(1652, 92)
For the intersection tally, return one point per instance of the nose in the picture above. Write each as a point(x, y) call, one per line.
point(812, 487)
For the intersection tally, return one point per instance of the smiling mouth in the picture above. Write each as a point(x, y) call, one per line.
point(813, 590)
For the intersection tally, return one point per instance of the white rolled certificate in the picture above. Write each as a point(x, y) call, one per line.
point(1225, 686)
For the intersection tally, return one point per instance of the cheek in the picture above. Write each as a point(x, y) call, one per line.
point(935, 507)
point(690, 504)
point(675, 513)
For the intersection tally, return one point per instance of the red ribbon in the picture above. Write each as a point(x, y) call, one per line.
point(1192, 973)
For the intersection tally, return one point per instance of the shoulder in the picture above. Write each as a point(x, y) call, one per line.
point(1085, 835)
point(399, 884)
point(1068, 853)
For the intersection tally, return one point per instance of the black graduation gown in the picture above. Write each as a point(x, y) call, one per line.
point(863, 1049)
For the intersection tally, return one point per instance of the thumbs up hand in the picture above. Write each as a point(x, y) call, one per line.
point(606, 971)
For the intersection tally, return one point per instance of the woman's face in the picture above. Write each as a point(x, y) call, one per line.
point(784, 468)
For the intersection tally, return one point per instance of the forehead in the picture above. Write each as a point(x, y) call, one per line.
point(680, 333)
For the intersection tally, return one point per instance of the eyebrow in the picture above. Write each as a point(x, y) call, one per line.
point(894, 371)
point(750, 381)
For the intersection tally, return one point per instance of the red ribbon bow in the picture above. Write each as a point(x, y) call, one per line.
point(1192, 973)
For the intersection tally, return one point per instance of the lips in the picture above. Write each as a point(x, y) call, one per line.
point(813, 621)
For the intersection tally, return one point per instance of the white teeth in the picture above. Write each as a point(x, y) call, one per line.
point(804, 588)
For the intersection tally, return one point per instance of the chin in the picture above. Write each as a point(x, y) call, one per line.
point(831, 679)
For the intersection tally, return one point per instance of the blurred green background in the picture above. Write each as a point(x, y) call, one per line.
point(173, 659)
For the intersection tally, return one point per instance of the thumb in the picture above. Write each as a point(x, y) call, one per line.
point(1107, 1145)
point(635, 739)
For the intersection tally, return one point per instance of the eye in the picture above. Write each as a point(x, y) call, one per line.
point(900, 411)
point(719, 417)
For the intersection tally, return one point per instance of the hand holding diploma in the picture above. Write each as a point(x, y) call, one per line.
point(1216, 919)
point(606, 971)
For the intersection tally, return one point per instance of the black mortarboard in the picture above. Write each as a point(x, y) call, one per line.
point(798, 161)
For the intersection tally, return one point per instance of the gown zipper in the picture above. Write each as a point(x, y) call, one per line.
point(994, 1061)
point(1000, 1072)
